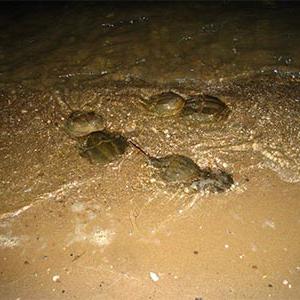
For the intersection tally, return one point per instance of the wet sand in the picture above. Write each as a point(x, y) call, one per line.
point(236, 246)
point(76, 230)
point(70, 229)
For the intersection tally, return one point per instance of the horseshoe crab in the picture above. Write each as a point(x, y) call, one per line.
point(103, 147)
point(170, 104)
point(82, 123)
point(180, 170)
point(165, 104)
point(206, 105)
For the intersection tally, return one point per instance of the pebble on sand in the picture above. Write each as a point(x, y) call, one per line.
point(286, 282)
point(56, 278)
point(154, 277)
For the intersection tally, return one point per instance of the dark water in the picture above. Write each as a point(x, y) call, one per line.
point(157, 42)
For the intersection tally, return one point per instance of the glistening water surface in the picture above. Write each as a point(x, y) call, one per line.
point(166, 42)
point(92, 232)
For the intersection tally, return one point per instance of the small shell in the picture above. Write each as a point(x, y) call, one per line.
point(56, 278)
point(154, 277)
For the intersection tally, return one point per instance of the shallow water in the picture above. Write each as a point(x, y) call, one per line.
point(103, 230)
point(170, 42)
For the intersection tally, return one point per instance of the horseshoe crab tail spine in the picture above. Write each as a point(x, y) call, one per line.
point(151, 160)
point(139, 148)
